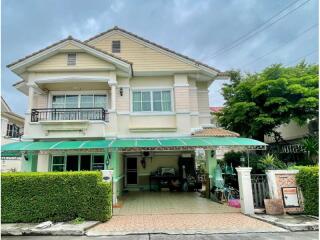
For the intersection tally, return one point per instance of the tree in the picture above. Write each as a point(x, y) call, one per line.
point(256, 104)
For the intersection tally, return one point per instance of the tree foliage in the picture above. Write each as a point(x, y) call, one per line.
point(256, 104)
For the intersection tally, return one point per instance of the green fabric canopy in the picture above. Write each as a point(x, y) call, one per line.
point(132, 143)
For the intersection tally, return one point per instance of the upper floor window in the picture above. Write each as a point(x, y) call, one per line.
point(79, 101)
point(116, 46)
point(13, 131)
point(151, 101)
point(72, 59)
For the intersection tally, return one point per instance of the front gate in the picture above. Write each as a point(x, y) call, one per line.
point(260, 189)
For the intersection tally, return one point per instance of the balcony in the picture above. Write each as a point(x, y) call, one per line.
point(66, 114)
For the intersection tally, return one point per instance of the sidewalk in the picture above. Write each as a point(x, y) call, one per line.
point(60, 228)
point(182, 224)
point(291, 222)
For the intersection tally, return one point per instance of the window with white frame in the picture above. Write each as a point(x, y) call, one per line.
point(72, 59)
point(13, 130)
point(151, 101)
point(79, 101)
point(97, 162)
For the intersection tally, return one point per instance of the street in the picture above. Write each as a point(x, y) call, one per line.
point(261, 236)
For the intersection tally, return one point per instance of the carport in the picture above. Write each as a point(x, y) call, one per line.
point(146, 203)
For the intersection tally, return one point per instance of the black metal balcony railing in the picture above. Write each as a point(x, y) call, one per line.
point(44, 114)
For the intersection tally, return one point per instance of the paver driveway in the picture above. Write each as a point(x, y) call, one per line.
point(145, 203)
point(177, 213)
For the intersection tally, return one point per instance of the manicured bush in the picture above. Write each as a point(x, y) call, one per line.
point(55, 196)
point(307, 179)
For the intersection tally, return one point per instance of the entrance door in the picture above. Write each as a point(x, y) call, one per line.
point(131, 170)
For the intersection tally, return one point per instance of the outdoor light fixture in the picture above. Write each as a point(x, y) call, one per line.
point(121, 91)
point(26, 157)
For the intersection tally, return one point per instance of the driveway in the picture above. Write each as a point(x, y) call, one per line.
point(145, 203)
point(247, 236)
point(176, 213)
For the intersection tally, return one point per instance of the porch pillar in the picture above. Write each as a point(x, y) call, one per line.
point(30, 98)
point(29, 163)
point(113, 97)
point(211, 165)
point(246, 196)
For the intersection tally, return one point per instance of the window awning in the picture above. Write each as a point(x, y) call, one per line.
point(157, 143)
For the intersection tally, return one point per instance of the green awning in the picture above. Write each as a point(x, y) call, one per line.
point(133, 143)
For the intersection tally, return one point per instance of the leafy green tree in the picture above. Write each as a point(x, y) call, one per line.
point(256, 104)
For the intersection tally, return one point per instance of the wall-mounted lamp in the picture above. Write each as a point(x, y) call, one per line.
point(121, 91)
point(26, 157)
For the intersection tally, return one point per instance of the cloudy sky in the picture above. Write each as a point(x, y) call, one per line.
point(225, 34)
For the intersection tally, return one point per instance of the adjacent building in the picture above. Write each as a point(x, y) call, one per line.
point(12, 126)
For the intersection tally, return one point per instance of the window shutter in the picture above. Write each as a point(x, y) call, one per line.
point(116, 46)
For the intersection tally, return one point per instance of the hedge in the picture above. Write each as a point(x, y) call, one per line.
point(307, 179)
point(55, 196)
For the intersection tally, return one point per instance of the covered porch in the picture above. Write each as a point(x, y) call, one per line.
point(144, 156)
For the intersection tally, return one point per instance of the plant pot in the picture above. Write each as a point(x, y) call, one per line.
point(274, 206)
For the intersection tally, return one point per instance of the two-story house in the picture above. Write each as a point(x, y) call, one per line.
point(116, 101)
point(11, 130)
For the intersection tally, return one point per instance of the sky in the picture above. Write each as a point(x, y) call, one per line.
point(224, 34)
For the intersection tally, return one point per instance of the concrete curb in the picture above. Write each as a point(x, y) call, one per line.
point(289, 226)
point(57, 229)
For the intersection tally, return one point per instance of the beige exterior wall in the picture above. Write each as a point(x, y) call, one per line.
point(43, 163)
point(190, 102)
point(144, 58)
point(203, 103)
point(189, 110)
point(290, 131)
point(59, 62)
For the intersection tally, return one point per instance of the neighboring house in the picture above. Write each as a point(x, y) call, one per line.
point(116, 101)
point(214, 119)
point(291, 134)
point(11, 130)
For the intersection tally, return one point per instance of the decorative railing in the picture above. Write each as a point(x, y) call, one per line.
point(61, 114)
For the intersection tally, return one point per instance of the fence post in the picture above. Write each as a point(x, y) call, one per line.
point(246, 197)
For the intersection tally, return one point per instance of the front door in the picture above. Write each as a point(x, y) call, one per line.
point(131, 170)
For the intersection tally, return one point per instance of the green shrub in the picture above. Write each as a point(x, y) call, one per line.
point(55, 196)
point(307, 179)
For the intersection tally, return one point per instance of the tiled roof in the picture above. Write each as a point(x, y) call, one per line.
point(159, 46)
point(215, 132)
point(63, 40)
point(216, 109)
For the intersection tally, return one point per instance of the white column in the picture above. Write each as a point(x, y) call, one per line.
point(246, 196)
point(113, 97)
point(31, 94)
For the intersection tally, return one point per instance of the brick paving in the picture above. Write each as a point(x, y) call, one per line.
point(177, 213)
point(144, 203)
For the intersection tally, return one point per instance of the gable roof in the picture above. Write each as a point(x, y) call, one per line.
point(70, 38)
point(116, 28)
point(216, 109)
point(5, 104)
point(215, 132)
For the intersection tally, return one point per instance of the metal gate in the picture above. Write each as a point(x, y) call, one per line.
point(260, 189)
